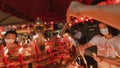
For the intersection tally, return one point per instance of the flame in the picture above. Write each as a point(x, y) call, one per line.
point(58, 36)
point(21, 49)
point(91, 66)
point(5, 50)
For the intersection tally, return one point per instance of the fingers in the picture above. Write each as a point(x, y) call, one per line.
point(74, 10)
point(94, 55)
point(81, 50)
point(96, 58)
point(69, 19)
point(71, 11)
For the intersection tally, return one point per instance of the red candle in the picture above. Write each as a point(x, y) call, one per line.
point(5, 57)
point(20, 58)
point(36, 50)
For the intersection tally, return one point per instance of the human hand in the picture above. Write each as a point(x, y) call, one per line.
point(73, 10)
point(81, 49)
point(96, 58)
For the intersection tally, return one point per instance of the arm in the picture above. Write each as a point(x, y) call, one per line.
point(85, 46)
point(114, 61)
point(108, 14)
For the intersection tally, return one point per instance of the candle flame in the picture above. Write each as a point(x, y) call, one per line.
point(70, 25)
point(66, 34)
point(48, 39)
point(5, 50)
point(58, 36)
point(21, 49)
point(91, 66)
point(79, 58)
point(45, 40)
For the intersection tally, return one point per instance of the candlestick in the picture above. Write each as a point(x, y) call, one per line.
point(20, 58)
point(5, 57)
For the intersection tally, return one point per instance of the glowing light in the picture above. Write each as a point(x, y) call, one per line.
point(51, 22)
point(82, 19)
point(45, 23)
point(58, 36)
point(91, 66)
point(90, 18)
point(66, 34)
point(23, 26)
point(87, 19)
point(45, 40)
point(20, 50)
point(5, 51)
point(76, 21)
point(70, 25)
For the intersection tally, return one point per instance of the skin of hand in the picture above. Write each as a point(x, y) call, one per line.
point(81, 49)
point(114, 61)
point(108, 14)
point(72, 10)
point(96, 58)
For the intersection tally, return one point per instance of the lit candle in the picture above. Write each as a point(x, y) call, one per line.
point(36, 50)
point(91, 66)
point(5, 57)
point(48, 39)
point(58, 36)
point(76, 65)
point(79, 60)
point(20, 55)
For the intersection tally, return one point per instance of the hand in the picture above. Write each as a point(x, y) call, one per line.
point(73, 10)
point(118, 59)
point(96, 58)
point(81, 49)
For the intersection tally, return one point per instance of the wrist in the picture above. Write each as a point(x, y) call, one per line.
point(85, 46)
point(100, 59)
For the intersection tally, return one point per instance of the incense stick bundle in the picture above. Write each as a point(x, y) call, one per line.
point(83, 57)
point(64, 29)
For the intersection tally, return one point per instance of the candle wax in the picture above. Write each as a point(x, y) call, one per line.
point(5, 59)
point(20, 58)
